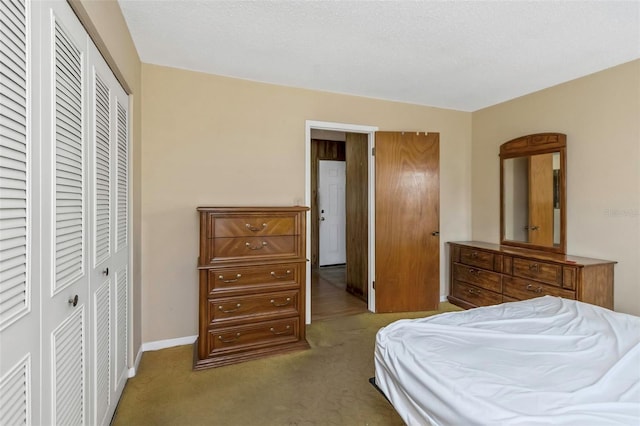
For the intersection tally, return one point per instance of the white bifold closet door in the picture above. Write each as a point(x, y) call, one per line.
point(109, 241)
point(19, 216)
point(76, 228)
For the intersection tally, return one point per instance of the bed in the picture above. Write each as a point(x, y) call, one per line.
point(537, 362)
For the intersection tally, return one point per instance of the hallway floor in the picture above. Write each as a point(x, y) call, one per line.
point(329, 297)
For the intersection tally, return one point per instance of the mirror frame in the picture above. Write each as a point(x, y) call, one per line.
point(538, 143)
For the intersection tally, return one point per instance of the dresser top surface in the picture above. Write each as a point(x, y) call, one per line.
point(534, 254)
point(249, 209)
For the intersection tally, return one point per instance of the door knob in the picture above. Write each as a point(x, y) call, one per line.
point(322, 219)
point(435, 233)
point(73, 300)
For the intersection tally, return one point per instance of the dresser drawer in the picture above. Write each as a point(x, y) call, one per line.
point(474, 295)
point(524, 289)
point(245, 279)
point(478, 277)
point(258, 307)
point(234, 249)
point(546, 272)
point(250, 226)
point(253, 336)
point(479, 258)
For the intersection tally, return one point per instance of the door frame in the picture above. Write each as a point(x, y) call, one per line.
point(349, 128)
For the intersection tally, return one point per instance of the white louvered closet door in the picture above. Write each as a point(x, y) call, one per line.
point(109, 236)
point(19, 302)
point(66, 306)
point(64, 240)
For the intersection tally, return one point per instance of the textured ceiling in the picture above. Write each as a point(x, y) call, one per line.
point(462, 55)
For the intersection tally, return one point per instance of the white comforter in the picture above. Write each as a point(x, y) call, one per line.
point(542, 361)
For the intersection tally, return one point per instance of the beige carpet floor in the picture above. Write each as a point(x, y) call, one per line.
point(325, 385)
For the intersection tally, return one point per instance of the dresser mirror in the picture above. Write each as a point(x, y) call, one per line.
point(533, 192)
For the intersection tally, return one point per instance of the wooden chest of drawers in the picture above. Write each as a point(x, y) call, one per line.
point(487, 274)
point(252, 283)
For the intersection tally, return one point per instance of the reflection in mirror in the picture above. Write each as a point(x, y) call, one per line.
point(532, 199)
point(533, 195)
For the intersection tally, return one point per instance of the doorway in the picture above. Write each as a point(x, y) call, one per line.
point(403, 203)
point(328, 284)
point(339, 218)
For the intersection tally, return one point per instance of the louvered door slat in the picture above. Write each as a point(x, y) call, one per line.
point(69, 365)
point(102, 332)
point(69, 162)
point(15, 394)
point(121, 322)
point(14, 288)
point(102, 188)
point(12, 130)
point(14, 91)
point(15, 260)
point(122, 177)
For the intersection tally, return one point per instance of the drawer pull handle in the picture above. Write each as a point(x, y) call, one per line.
point(229, 340)
point(472, 291)
point(288, 301)
point(474, 254)
point(273, 330)
point(264, 243)
point(279, 277)
point(231, 280)
point(534, 267)
point(255, 228)
point(533, 289)
point(474, 271)
point(220, 308)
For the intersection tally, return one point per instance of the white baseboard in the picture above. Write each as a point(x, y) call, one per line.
point(443, 298)
point(169, 343)
point(157, 345)
point(136, 364)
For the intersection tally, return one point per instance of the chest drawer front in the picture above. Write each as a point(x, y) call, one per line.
point(524, 289)
point(478, 277)
point(474, 295)
point(535, 270)
point(254, 336)
point(254, 278)
point(250, 226)
point(256, 307)
point(233, 249)
point(479, 258)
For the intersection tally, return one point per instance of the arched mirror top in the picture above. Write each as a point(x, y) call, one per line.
point(533, 192)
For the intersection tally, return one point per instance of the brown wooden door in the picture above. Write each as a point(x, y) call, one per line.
point(407, 207)
point(541, 199)
point(357, 209)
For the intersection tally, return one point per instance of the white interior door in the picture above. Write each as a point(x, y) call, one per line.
point(331, 193)
point(109, 238)
point(19, 260)
point(65, 293)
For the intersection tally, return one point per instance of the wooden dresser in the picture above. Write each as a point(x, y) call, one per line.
point(487, 274)
point(252, 268)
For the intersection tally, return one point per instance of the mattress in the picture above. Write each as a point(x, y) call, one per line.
point(537, 362)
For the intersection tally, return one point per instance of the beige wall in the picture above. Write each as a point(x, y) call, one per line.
point(210, 140)
point(600, 114)
point(203, 139)
point(105, 24)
